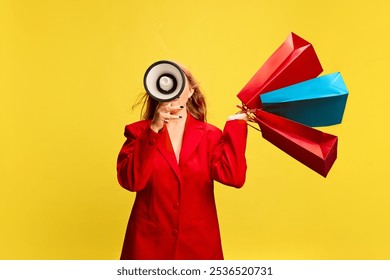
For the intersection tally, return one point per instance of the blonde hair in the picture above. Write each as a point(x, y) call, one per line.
point(196, 104)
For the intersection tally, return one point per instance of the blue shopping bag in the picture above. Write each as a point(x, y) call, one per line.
point(316, 102)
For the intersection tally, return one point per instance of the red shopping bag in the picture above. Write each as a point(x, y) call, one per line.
point(293, 62)
point(315, 149)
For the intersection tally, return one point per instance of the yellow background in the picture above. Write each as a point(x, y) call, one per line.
point(70, 71)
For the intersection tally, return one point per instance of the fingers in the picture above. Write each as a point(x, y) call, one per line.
point(165, 112)
point(168, 107)
point(244, 114)
point(245, 109)
point(167, 117)
point(239, 116)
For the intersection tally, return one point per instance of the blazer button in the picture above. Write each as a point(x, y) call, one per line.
point(176, 205)
point(174, 232)
point(152, 141)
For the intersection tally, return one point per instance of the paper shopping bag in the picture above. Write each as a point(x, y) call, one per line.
point(315, 149)
point(293, 62)
point(317, 102)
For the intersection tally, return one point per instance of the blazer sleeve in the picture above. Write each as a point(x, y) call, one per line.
point(228, 160)
point(135, 160)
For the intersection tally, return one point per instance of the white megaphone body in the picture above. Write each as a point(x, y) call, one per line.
point(164, 81)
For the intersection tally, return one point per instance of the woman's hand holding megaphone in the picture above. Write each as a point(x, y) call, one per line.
point(165, 111)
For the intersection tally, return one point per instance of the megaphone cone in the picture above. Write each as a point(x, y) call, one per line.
point(164, 81)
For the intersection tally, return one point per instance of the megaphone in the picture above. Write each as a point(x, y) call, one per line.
point(164, 81)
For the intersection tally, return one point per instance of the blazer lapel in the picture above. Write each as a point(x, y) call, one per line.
point(166, 149)
point(193, 133)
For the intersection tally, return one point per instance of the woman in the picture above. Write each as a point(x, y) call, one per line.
point(171, 159)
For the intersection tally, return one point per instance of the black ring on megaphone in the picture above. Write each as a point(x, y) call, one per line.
point(167, 62)
point(173, 87)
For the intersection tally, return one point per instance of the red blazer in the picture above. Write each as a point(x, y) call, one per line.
point(174, 214)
